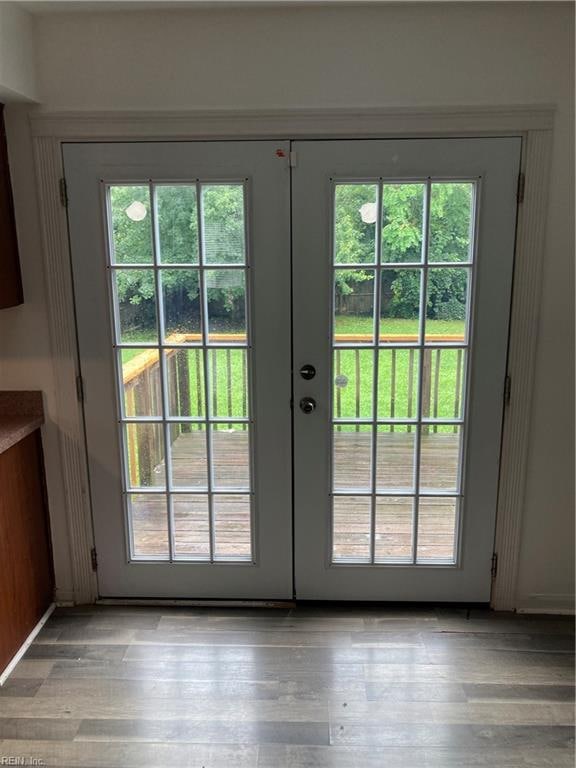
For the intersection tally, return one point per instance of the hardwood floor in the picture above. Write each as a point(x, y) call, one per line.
point(314, 686)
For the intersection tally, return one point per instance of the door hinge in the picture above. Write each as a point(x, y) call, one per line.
point(494, 566)
point(63, 193)
point(293, 159)
point(521, 187)
point(80, 389)
point(507, 389)
point(94, 559)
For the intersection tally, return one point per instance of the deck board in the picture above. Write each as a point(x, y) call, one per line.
point(352, 475)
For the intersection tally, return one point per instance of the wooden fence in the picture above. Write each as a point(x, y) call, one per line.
point(184, 374)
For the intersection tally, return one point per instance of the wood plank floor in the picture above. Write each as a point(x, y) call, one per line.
point(314, 686)
point(352, 470)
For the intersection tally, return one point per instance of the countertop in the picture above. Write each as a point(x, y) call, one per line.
point(21, 412)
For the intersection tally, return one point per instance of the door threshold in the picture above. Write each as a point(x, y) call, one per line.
point(208, 603)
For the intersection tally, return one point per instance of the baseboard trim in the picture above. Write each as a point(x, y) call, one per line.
point(548, 603)
point(139, 601)
point(25, 645)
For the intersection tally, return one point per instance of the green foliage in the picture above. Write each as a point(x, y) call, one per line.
point(354, 242)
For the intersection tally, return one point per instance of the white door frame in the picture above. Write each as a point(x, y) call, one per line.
point(533, 123)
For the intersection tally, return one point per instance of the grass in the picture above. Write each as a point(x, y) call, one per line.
point(353, 368)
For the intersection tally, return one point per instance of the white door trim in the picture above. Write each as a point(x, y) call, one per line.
point(533, 123)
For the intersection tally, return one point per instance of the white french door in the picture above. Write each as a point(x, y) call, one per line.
point(181, 265)
point(403, 257)
point(366, 470)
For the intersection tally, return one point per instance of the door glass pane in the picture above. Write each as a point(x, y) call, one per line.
point(191, 526)
point(177, 217)
point(223, 224)
point(185, 381)
point(394, 526)
point(443, 383)
point(354, 306)
point(419, 364)
point(230, 456)
point(355, 215)
point(181, 300)
point(188, 460)
point(352, 445)
point(232, 527)
point(439, 457)
point(226, 306)
point(395, 457)
point(145, 454)
point(135, 302)
point(228, 390)
point(131, 225)
point(451, 218)
point(447, 305)
point(186, 384)
point(402, 219)
point(353, 383)
point(351, 528)
point(400, 306)
point(140, 371)
point(398, 383)
point(437, 528)
point(149, 524)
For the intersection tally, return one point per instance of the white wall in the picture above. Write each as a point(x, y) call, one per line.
point(17, 54)
point(388, 56)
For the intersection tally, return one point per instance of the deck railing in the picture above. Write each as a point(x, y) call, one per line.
point(184, 374)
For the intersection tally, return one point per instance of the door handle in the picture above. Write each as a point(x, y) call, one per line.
point(307, 404)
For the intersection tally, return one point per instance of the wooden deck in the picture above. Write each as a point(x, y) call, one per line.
point(352, 511)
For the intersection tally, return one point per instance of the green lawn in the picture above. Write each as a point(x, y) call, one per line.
point(353, 370)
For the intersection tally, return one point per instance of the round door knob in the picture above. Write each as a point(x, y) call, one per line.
point(307, 371)
point(307, 404)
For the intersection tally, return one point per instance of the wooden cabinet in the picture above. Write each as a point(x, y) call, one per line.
point(26, 575)
point(10, 279)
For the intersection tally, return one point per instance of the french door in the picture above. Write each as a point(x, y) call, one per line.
point(403, 255)
point(181, 264)
point(354, 458)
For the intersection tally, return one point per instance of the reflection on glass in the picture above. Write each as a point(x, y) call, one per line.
point(351, 528)
point(223, 224)
point(181, 299)
point(232, 527)
point(400, 306)
point(177, 221)
point(394, 520)
point(230, 456)
point(131, 225)
point(135, 298)
point(226, 306)
point(451, 216)
point(355, 215)
point(352, 448)
point(145, 454)
point(447, 305)
point(395, 457)
point(398, 383)
point(185, 380)
point(228, 383)
point(141, 382)
point(191, 526)
point(402, 217)
point(354, 306)
point(443, 383)
point(436, 528)
point(149, 524)
point(439, 457)
point(353, 383)
point(188, 464)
